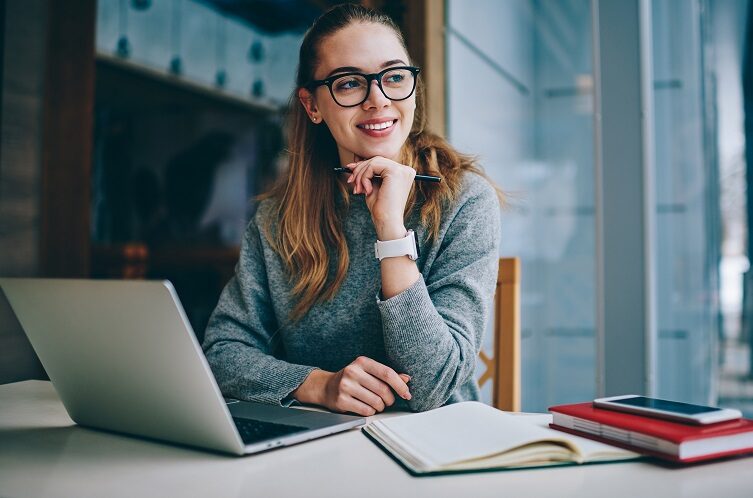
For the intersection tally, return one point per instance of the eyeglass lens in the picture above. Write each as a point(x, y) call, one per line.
point(352, 89)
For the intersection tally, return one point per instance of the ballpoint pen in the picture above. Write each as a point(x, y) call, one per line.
point(418, 178)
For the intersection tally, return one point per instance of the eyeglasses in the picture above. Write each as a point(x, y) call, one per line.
point(352, 89)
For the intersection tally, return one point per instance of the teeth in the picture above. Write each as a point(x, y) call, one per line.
point(378, 126)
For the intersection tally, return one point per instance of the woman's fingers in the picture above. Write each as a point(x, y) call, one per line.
point(385, 374)
point(357, 384)
point(363, 171)
point(368, 186)
point(354, 168)
point(353, 405)
point(364, 168)
point(365, 386)
point(346, 394)
point(362, 385)
point(379, 388)
point(367, 396)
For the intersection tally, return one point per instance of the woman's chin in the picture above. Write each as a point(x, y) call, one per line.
point(389, 153)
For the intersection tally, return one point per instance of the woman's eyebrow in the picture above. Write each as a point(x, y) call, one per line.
point(349, 69)
point(393, 62)
point(344, 69)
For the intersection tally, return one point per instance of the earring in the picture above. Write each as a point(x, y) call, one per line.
point(315, 119)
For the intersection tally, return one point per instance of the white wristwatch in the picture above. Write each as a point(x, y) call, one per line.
point(407, 246)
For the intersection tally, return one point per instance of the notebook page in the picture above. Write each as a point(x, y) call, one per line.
point(463, 431)
point(594, 450)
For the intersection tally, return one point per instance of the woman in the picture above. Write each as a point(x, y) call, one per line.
point(311, 315)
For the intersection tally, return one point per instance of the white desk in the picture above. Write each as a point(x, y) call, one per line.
point(42, 453)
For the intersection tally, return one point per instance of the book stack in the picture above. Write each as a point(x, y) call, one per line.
point(674, 441)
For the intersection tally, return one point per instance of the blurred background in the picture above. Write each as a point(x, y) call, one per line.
point(135, 133)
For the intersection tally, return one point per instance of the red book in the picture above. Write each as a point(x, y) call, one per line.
point(661, 438)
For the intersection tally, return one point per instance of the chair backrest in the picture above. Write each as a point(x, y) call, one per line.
point(503, 368)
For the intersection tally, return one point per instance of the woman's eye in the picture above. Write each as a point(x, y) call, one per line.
point(348, 84)
point(395, 78)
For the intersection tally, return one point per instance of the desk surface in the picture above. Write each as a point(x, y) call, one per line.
point(42, 453)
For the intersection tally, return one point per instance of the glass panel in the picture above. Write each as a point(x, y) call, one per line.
point(520, 97)
point(198, 44)
point(240, 72)
point(203, 46)
point(730, 42)
point(282, 54)
point(108, 16)
point(687, 238)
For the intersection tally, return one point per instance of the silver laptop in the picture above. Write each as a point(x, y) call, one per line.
point(123, 357)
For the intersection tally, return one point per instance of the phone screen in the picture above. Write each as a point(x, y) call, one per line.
point(661, 404)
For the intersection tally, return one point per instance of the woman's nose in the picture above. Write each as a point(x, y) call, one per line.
point(376, 98)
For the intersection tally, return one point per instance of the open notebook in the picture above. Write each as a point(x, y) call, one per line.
point(472, 436)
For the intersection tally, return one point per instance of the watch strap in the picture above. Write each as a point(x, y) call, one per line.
point(406, 246)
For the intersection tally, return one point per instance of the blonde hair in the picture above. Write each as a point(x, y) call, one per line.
point(307, 224)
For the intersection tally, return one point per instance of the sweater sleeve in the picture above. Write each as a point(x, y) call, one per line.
point(432, 330)
point(240, 336)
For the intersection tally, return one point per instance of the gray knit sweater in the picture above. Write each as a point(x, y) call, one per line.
point(432, 331)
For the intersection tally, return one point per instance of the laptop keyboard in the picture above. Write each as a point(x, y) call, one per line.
point(253, 431)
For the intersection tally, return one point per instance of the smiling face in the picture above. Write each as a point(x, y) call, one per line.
point(377, 127)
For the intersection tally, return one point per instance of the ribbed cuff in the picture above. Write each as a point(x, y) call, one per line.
point(410, 317)
point(287, 381)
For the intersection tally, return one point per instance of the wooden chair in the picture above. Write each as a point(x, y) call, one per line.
point(503, 368)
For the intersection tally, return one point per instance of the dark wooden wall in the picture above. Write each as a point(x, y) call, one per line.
point(67, 139)
point(23, 54)
point(45, 153)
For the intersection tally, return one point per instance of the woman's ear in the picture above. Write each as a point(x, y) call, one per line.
point(308, 103)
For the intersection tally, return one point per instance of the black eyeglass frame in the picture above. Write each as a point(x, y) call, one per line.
point(313, 85)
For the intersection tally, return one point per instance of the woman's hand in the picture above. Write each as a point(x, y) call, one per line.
point(364, 387)
point(386, 198)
